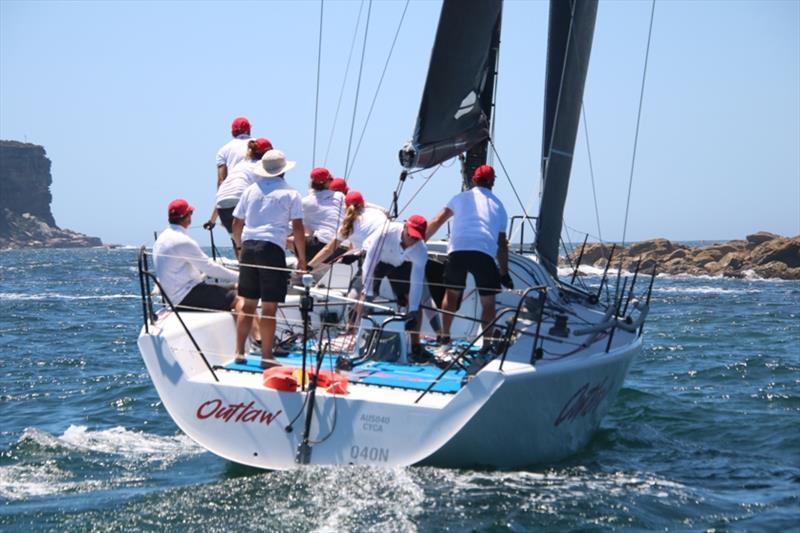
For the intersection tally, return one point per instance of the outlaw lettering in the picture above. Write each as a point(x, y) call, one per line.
point(584, 401)
point(235, 412)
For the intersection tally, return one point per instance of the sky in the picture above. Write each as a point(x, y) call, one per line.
point(131, 101)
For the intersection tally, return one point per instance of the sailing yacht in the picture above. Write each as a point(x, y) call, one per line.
point(534, 395)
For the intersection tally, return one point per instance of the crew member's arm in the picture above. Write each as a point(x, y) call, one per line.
point(502, 253)
point(299, 242)
point(437, 222)
point(418, 261)
point(238, 227)
point(371, 245)
point(212, 219)
point(296, 216)
point(323, 254)
point(191, 251)
point(222, 173)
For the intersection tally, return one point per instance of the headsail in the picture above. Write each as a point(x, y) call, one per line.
point(569, 46)
point(451, 119)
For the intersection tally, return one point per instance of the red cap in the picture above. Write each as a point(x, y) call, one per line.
point(263, 146)
point(178, 209)
point(321, 175)
point(239, 126)
point(353, 198)
point(416, 226)
point(338, 184)
point(484, 176)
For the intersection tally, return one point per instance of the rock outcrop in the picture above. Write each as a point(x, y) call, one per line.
point(765, 254)
point(25, 216)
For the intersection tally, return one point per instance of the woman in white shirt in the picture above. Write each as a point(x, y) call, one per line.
point(359, 222)
point(260, 229)
point(240, 177)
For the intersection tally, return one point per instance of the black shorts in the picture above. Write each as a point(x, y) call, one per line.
point(313, 246)
point(225, 215)
point(480, 265)
point(265, 283)
point(209, 297)
point(399, 278)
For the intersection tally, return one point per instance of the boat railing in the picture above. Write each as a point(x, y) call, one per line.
point(505, 342)
point(523, 219)
point(145, 276)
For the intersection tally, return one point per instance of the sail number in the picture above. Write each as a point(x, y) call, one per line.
point(369, 453)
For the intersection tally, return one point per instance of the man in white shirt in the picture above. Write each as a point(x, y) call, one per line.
point(477, 238)
point(234, 150)
point(323, 211)
point(182, 267)
point(398, 252)
point(261, 222)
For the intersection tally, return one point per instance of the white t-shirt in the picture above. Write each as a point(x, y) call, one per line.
point(323, 211)
point(181, 264)
point(233, 151)
point(385, 246)
point(369, 221)
point(239, 178)
point(478, 219)
point(267, 207)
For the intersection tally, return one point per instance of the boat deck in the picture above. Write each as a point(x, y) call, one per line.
point(376, 373)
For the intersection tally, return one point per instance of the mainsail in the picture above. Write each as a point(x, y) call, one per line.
point(569, 45)
point(451, 117)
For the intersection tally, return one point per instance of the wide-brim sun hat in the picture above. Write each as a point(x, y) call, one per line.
point(273, 164)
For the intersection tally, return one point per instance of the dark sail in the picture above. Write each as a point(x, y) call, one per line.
point(569, 45)
point(451, 119)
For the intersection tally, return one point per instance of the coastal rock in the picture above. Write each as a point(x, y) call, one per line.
point(25, 216)
point(764, 254)
point(760, 237)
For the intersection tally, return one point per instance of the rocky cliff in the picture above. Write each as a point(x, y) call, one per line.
point(764, 254)
point(25, 216)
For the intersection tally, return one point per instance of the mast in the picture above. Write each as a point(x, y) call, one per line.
point(476, 156)
point(456, 101)
point(569, 45)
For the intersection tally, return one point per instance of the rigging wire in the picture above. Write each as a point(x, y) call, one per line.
point(380, 82)
point(344, 83)
point(358, 90)
point(508, 176)
point(316, 99)
point(591, 170)
point(638, 118)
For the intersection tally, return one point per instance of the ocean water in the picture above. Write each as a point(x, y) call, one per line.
point(704, 435)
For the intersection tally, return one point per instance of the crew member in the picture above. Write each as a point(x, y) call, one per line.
point(234, 150)
point(398, 252)
point(358, 223)
point(323, 211)
point(182, 268)
point(260, 229)
point(477, 238)
point(232, 187)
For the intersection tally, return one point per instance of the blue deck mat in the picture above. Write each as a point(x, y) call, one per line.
point(414, 377)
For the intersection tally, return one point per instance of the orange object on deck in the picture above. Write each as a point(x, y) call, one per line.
point(281, 382)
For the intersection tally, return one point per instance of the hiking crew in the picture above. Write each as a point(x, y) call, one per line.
point(260, 230)
point(477, 245)
point(182, 267)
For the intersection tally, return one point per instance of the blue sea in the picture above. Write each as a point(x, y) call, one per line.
point(704, 435)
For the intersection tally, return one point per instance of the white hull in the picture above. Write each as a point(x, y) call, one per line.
point(520, 415)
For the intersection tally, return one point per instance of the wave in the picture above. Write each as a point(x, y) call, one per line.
point(702, 290)
point(131, 445)
point(59, 296)
point(41, 476)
